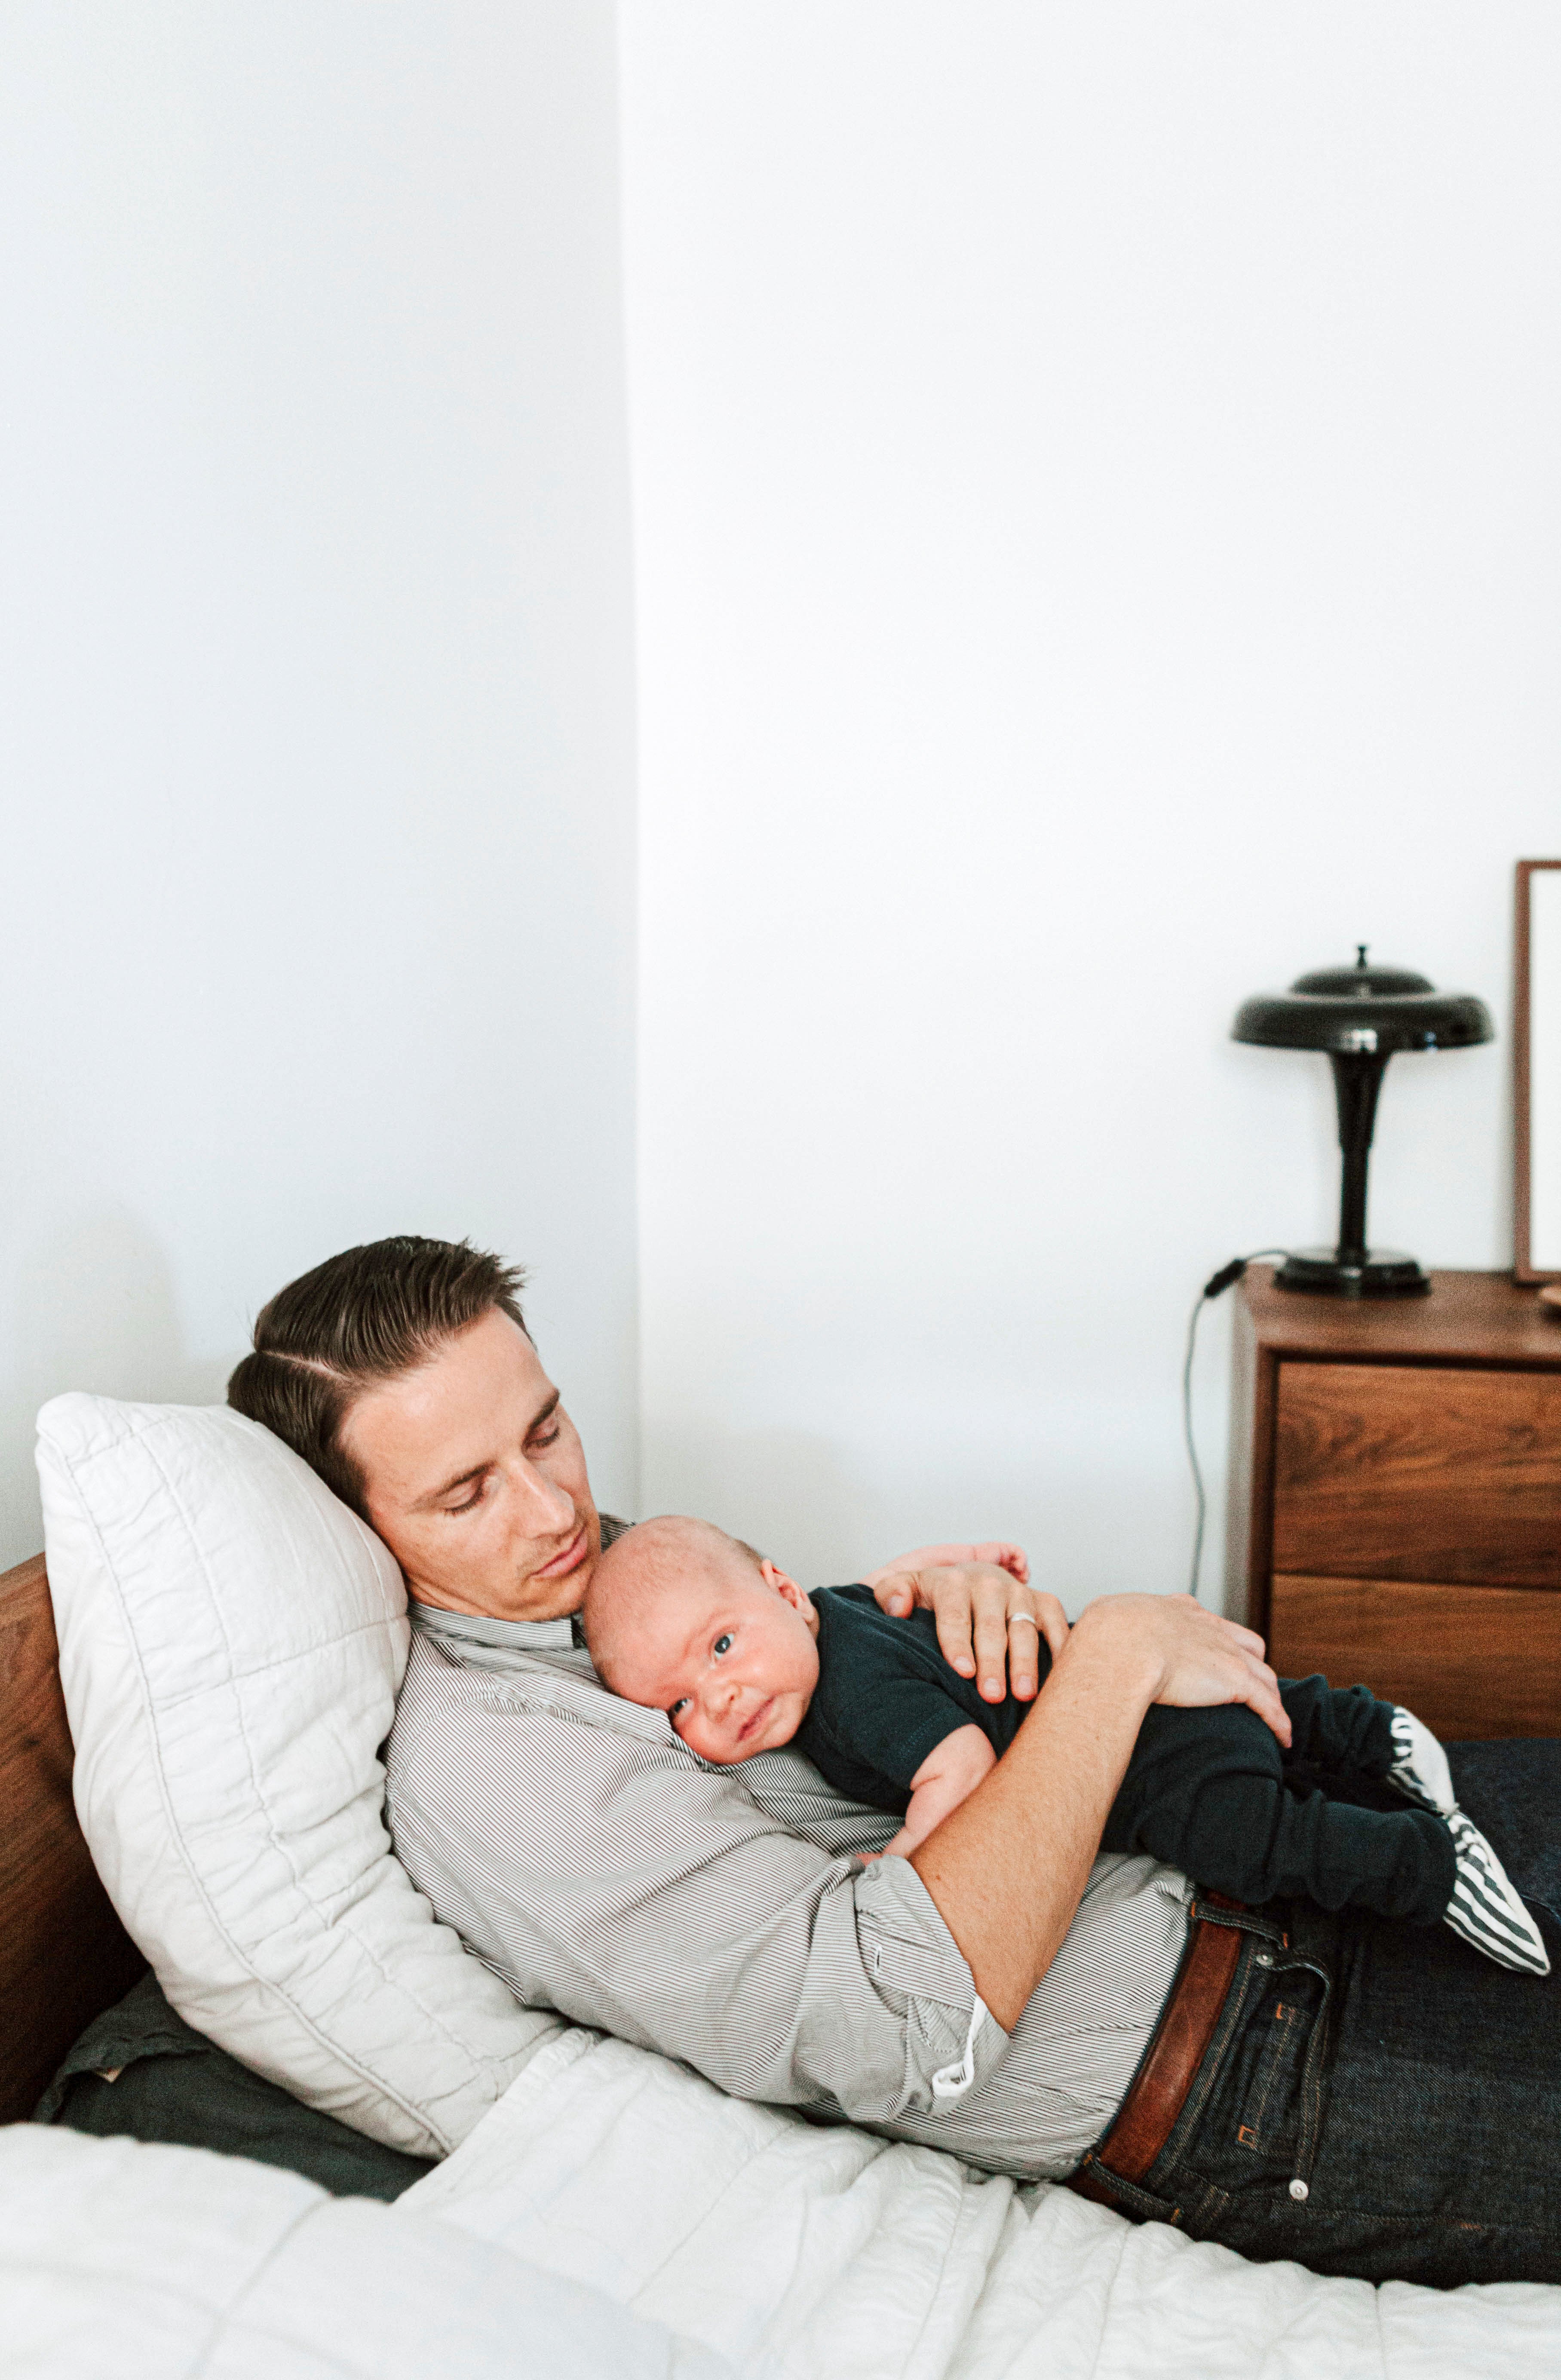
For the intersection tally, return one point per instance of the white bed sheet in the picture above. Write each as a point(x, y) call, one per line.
point(829, 2255)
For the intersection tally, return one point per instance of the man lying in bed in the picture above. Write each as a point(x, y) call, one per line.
point(971, 1995)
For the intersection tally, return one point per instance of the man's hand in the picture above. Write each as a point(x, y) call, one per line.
point(983, 1604)
point(1168, 1648)
point(1202, 1659)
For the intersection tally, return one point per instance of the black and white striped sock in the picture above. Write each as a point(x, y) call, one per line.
point(1420, 1770)
point(1485, 1907)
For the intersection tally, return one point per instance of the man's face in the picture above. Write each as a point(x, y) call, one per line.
point(475, 1478)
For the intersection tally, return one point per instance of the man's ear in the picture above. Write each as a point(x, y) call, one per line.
point(789, 1591)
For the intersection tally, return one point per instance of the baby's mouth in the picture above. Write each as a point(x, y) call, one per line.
point(751, 1724)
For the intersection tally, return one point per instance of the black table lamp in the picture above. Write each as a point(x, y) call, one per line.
point(1359, 1015)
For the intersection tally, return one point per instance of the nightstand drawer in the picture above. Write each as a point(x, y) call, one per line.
point(1469, 1660)
point(1395, 1470)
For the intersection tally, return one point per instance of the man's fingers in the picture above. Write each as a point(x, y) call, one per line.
point(1023, 1658)
point(1264, 1698)
point(1031, 1617)
point(1261, 1691)
point(989, 1597)
point(1235, 1633)
point(989, 1624)
point(950, 1597)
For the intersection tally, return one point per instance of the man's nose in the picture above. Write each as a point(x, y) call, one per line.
point(549, 1508)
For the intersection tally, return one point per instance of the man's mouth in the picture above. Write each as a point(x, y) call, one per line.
point(562, 1563)
point(751, 1725)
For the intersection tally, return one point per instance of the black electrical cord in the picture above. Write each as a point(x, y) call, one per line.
point(1215, 1286)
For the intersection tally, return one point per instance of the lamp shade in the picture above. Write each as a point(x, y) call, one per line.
point(1372, 1010)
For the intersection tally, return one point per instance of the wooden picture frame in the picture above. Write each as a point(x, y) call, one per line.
point(1536, 1042)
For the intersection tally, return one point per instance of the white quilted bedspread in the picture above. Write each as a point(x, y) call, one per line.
point(615, 2218)
point(797, 2250)
point(119, 2262)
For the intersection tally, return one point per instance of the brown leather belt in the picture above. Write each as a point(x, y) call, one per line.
point(1186, 2028)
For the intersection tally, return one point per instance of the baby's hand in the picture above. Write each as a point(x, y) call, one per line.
point(1009, 1557)
point(1004, 1557)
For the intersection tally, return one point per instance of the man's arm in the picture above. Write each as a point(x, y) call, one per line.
point(1008, 1868)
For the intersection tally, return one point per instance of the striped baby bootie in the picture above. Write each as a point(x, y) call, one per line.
point(1485, 1907)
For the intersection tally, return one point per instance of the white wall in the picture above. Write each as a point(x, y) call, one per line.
point(317, 732)
point(1098, 518)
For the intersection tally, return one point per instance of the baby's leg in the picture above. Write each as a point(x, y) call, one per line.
point(1347, 1731)
point(1344, 1728)
point(1261, 1839)
point(1206, 1791)
point(1176, 1754)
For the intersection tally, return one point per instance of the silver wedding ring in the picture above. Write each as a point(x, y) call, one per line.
point(1030, 1622)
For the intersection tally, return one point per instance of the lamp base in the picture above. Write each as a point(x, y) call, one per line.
point(1386, 1272)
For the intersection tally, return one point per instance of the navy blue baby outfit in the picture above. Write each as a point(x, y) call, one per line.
point(1211, 1792)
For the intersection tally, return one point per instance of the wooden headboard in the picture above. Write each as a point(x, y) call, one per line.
point(64, 1955)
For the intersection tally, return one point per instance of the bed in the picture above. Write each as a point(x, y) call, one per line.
point(64, 1955)
point(604, 2185)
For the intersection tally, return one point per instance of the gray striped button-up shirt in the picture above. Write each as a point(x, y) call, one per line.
point(719, 1914)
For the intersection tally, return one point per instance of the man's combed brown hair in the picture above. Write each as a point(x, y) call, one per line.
point(354, 1322)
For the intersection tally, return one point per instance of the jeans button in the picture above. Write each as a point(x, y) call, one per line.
point(1263, 1960)
point(1299, 2190)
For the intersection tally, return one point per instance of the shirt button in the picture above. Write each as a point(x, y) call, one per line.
point(1299, 2190)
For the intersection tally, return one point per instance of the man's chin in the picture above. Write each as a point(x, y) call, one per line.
point(559, 1587)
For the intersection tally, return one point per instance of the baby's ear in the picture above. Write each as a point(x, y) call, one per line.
point(789, 1591)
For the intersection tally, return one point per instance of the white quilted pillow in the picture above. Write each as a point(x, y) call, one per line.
point(232, 1639)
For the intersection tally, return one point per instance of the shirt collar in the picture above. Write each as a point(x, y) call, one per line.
point(535, 1650)
point(502, 1635)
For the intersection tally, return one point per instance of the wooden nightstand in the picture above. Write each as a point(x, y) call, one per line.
point(1396, 1496)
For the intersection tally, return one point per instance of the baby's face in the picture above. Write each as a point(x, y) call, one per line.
point(729, 1655)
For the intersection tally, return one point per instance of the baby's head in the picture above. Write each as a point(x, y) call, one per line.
point(683, 1619)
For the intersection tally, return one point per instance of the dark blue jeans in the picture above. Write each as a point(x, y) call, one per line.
point(1378, 2099)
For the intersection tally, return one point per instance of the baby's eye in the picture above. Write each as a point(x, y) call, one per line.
point(681, 1705)
point(723, 1645)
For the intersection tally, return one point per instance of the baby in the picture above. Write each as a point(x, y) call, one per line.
point(683, 1619)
